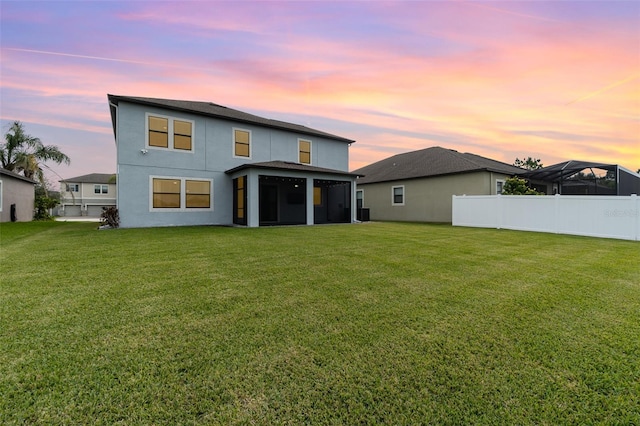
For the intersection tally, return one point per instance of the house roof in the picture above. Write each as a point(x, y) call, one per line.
point(564, 170)
point(15, 175)
point(287, 165)
point(214, 110)
point(429, 162)
point(92, 178)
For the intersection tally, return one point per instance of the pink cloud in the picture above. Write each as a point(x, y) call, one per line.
point(493, 82)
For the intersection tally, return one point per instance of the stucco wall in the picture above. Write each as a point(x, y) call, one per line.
point(20, 193)
point(86, 201)
point(212, 154)
point(427, 199)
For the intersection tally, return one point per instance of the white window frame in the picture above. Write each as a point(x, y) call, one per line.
point(233, 142)
point(310, 151)
point(183, 195)
point(393, 198)
point(101, 189)
point(73, 187)
point(170, 134)
point(500, 181)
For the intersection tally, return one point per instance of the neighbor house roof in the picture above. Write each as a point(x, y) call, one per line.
point(429, 162)
point(287, 165)
point(92, 178)
point(564, 170)
point(214, 110)
point(15, 175)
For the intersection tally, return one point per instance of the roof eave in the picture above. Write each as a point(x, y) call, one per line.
point(311, 169)
point(462, 172)
point(311, 132)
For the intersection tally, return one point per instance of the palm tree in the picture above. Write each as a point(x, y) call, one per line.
point(23, 153)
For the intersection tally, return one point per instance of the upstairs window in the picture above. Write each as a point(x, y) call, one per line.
point(169, 133)
point(158, 132)
point(304, 148)
point(101, 189)
point(241, 143)
point(182, 135)
point(73, 187)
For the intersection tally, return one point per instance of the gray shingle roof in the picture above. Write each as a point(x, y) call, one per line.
point(434, 161)
point(15, 175)
point(92, 178)
point(214, 110)
point(565, 169)
point(287, 165)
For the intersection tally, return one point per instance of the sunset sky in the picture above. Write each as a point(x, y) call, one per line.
point(555, 80)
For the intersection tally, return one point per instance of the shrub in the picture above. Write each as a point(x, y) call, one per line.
point(110, 217)
point(42, 206)
point(518, 186)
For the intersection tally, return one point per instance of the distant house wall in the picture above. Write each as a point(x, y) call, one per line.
point(19, 192)
point(426, 199)
point(211, 155)
point(86, 202)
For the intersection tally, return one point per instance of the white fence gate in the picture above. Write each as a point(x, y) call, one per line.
point(594, 216)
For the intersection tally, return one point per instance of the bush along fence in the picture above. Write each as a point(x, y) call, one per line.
point(595, 216)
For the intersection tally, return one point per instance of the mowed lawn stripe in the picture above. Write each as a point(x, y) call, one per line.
point(376, 323)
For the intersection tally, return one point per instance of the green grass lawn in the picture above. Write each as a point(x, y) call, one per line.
point(377, 323)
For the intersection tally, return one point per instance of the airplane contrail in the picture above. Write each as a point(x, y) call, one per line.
point(604, 89)
point(101, 58)
point(44, 52)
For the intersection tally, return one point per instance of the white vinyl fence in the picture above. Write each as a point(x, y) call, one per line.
point(594, 216)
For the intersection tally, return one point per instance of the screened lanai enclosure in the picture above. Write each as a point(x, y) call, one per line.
point(283, 193)
point(331, 201)
point(283, 201)
point(584, 178)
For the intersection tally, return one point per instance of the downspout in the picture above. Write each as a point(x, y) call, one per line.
point(115, 135)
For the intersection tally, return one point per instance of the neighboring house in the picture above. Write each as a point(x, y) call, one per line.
point(419, 185)
point(17, 195)
point(87, 195)
point(584, 178)
point(199, 163)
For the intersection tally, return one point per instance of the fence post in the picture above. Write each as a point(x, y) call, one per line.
point(556, 213)
point(635, 210)
point(500, 211)
point(453, 210)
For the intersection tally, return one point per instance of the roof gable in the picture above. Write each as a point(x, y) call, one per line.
point(429, 162)
point(14, 175)
point(92, 178)
point(214, 110)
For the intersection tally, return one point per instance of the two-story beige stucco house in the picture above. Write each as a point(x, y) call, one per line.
point(87, 195)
